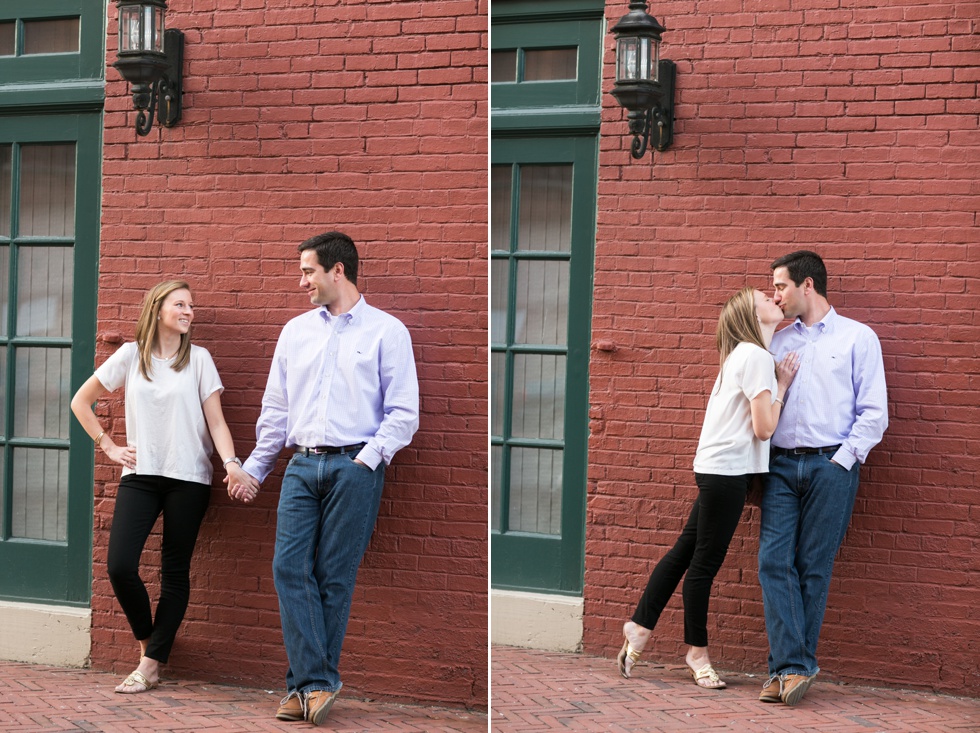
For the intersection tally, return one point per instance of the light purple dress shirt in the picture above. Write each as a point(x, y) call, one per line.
point(839, 395)
point(339, 380)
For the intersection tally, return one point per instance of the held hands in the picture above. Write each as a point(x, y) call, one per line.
point(241, 485)
point(124, 455)
point(786, 370)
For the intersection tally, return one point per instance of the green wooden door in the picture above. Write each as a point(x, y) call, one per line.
point(545, 114)
point(543, 232)
point(51, 93)
point(49, 229)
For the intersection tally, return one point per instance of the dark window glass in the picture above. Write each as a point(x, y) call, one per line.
point(51, 36)
point(503, 66)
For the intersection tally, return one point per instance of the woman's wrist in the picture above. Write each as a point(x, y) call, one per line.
point(233, 459)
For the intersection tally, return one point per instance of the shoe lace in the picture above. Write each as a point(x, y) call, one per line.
point(779, 677)
point(302, 700)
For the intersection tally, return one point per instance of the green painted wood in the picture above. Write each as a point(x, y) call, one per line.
point(88, 63)
point(521, 560)
point(585, 35)
point(42, 570)
point(534, 123)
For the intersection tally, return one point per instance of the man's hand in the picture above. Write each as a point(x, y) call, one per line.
point(241, 484)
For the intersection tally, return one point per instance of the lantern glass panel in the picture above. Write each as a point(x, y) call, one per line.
point(637, 59)
point(129, 28)
point(627, 58)
point(152, 29)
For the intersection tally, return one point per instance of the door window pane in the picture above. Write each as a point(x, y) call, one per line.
point(498, 300)
point(535, 490)
point(497, 389)
point(47, 190)
point(4, 304)
point(51, 36)
point(5, 158)
point(545, 220)
point(39, 494)
point(3, 403)
point(45, 290)
point(538, 407)
point(41, 392)
point(7, 30)
point(500, 192)
point(503, 66)
point(541, 302)
point(496, 466)
point(550, 64)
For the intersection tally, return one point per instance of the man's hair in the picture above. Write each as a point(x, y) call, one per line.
point(334, 247)
point(803, 264)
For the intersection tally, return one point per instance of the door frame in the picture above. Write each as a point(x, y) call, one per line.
point(524, 560)
point(60, 98)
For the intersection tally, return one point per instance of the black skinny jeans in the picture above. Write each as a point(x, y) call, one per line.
point(699, 552)
point(141, 499)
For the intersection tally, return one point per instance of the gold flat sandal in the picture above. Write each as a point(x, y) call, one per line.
point(627, 659)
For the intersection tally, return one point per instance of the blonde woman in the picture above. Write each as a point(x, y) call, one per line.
point(173, 413)
point(741, 415)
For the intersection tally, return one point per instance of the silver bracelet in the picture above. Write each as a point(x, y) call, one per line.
point(780, 402)
point(232, 459)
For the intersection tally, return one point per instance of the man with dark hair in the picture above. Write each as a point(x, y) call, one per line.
point(331, 248)
point(835, 412)
point(343, 394)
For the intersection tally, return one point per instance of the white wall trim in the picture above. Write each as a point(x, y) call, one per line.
point(45, 634)
point(536, 620)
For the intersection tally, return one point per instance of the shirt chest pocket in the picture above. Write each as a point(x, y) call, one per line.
point(839, 367)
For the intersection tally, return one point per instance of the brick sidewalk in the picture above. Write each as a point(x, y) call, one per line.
point(544, 691)
point(36, 699)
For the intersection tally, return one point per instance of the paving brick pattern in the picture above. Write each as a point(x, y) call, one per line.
point(38, 699)
point(543, 691)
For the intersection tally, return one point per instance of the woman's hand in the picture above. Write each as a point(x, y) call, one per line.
point(124, 455)
point(241, 484)
point(786, 371)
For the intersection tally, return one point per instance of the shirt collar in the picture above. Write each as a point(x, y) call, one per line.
point(349, 316)
point(826, 323)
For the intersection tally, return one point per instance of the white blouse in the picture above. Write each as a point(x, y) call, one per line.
point(165, 417)
point(728, 445)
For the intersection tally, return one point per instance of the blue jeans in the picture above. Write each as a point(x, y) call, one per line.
point(806, 507)
point(327, 509)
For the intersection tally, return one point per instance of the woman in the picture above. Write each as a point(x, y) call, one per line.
point(173, 413)
point(740, 418)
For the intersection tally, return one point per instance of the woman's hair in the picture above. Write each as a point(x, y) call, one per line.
point(738, 323)
point(146, 328)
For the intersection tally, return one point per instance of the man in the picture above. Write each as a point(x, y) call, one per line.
point(343, 394)
point(835, 412)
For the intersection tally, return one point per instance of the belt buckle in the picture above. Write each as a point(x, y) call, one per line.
point(799, 451)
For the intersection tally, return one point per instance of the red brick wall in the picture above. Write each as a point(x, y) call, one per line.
point(850, 129)
point(299, 117)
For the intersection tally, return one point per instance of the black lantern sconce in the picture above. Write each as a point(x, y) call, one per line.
point(150, 59)
point(644, 82)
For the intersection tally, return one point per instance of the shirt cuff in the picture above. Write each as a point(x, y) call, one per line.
point(369, 457)
point(844, 458)
point(256, 470)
